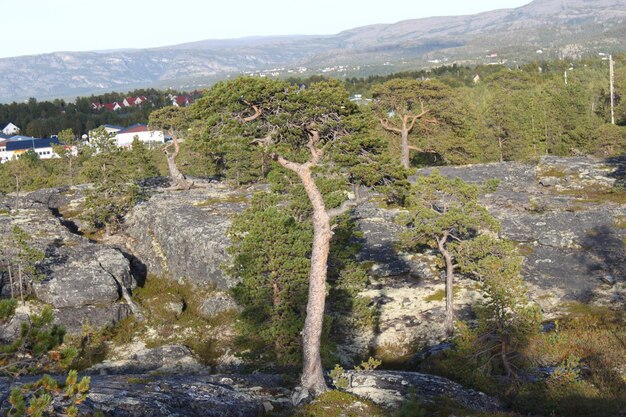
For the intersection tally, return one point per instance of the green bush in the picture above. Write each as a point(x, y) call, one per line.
point(7, 308)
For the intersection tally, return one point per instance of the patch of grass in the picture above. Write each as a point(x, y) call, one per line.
point(232, 198)
point(593, 195)
point(70, 213)
point(367, 265)
point(160, 300)
point(587, 351)
point(69, 192)
point(525, 249)
point(396, 356)
point(556, 172)
point(437, 296)
point(94, 234)
point(576, 207)
point(138, 380)
point(446, 407)
point(440, 295)
point(596, 338)
point(340, 404)
point(620, 222)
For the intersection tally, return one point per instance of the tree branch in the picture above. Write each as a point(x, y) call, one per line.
point(415, 148)
point(385, 124)
point(316, 153)
point(292, 166)
point(418, 116)
point(257, 111)
point(264, 141)
point(346, 205)
point(166, 148)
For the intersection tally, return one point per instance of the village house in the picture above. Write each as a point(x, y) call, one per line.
point(117, 105)
point(134, 101)
point(112, 129)
point(182, 100)
point(9, 128)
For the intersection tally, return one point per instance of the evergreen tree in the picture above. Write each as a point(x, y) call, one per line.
point(442, 213)
point(175, 122)
point(26, 260)
point(114, 191)
point(296, 128)
point(401, 103)
point(271, 250)
point(507, 318)
point(67, 149)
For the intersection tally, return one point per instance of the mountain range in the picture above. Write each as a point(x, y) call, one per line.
point(542, 29)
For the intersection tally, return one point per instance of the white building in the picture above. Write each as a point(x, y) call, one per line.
point(124, 138)
point(9, 128)
point(17, 145)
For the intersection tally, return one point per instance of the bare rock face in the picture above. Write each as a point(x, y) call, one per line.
point(81, 279)
point(217, 303)
point(565, 214)
point(146, 395)
point(182, 235)
point(163, 359)
point(391, 388)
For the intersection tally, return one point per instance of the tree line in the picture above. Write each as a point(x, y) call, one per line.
point(42, 119)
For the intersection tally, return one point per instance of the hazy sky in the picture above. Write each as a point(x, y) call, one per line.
point(38, 26)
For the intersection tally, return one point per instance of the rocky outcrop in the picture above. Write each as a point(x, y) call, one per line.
point(391, 388)
point(204, 395)
point(163, 359)
point(183, 235)
point(569, 232)
point(216, 303)
point(200, 393)
point(566, 214)
point(84, 281)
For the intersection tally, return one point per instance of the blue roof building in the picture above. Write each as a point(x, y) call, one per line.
point(25, 143)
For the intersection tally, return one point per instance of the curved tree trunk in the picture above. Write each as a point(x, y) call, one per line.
point(312, 372)
point(179, 181)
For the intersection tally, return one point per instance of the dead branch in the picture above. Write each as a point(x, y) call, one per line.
point(385, 124)
point(257, 111)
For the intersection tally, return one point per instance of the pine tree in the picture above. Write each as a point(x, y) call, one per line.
point(507, 318)
point(114, 192)
point(174, 121)
point(300, 130)
point(442, 213)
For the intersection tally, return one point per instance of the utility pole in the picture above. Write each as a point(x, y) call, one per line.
point(612, 82)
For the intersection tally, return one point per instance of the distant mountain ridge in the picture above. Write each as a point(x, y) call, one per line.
point(557, 28)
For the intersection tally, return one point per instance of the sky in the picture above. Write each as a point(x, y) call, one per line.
point(32, 27)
